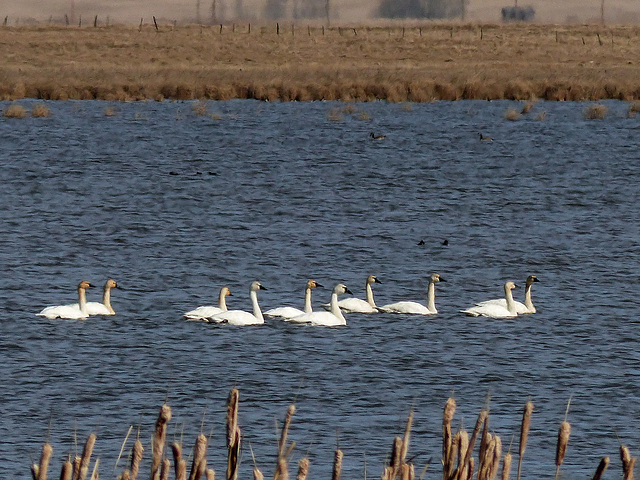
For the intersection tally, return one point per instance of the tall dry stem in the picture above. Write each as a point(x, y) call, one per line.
point(462, 443)
point(233, 434)
point(506, 466)
point(497, 455)
point(602, 466)
point(211, 474)
point(524, 433)
point(561, 447)
point(257, 474)
point(628, 462)
point(66, 473)
point(447, 417)
point(95, 475)
point(35, 471)
point(476, 430)
point(45, 458)
point(282, 444)
point(179, 463)
point(159, 437)
point(86, 456)
point(136, 457)
point(165, 469)
point(337, 465)
point(303, 469)
point(407, 436)
point(199, 454)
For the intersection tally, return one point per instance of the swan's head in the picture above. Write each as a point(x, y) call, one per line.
point(225, 292)
point(531, 279)
point(83, 285)
point(372, 279)
point(510, 286)
point(255, 286)
point(110, 284)
point(341, 288)
point(313, 284)
point(435, 278)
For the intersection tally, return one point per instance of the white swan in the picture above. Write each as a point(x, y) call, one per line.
point(75, 312)
point(495, 310)
point(290, 312)
point(521, 308)
point(415, 308)
point(240, 317)
point(205, 311)
point(334, 318)
point(104, 308)
point(356, 305)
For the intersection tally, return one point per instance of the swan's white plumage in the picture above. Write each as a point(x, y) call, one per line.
point(205, 311)
point(72, 312)
point(240, 317)
point(291, 312)
point(496, 310)
point(521, 308)
point(415, 308)
point(357, 305)
point(334, 318)
point(104, 308)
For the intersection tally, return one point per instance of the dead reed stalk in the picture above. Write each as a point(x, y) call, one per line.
point(524, 433)
point(166, 468)
point(76, 467)
point(628, 463)
point(303, 469)
point(595, 112)
point(407, 436)
point(396, 458)
point(45, 457)
point(86, 456)
point(159, 437)
point(67, 471)
point(561, 447)
point(506, 466)
point(447, 417)
point(199, 454)
point(462, 443)
point(136, 458)
point(497, 456)
point(95, 475)
point(602, 466)
point(482, 416)
point(282, 444)
point(211, 474)
point(337, 465)
point(233, 434)
point(257, 474)
point(35, 470)
point(180, 464)
point(485, 462)
point(282, 469)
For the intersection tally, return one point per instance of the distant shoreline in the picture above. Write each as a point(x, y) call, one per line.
point(435, 61)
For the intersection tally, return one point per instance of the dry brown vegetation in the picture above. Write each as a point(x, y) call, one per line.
point(458, 450)
point(414, 63)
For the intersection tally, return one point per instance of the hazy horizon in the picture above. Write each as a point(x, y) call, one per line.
point(342, 11)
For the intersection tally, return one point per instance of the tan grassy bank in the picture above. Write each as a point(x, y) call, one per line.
point(416, 63)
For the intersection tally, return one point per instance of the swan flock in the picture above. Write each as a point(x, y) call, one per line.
point(505, 307)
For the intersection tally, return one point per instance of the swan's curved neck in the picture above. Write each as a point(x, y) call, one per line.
point(106, 299)
point(222, 301)
point(370, 299)
point(256, 308)
point(307, 300)
point(335, 309)
point(82, 300)
point(511, 306)
point(527, 299)
point(431, 297)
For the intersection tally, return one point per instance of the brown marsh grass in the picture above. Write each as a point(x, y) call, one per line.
point(595, 112)
point(40, 110)
point(432, 61)
point(15, 111)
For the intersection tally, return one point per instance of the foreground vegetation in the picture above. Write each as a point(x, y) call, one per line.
point(412, 63)
point(458, 449)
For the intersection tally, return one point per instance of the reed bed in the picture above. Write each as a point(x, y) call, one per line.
point(419, 63)
point(460, 459)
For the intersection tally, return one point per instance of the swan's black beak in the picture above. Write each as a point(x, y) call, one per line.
point(346, 290)
point(263, 288)
point(319, 286)
point(516, 286)
point(120, 288)
point(442, 279)
point(535, 279)
point(375, 280)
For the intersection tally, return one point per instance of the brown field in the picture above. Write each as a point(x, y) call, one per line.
point(418, 63)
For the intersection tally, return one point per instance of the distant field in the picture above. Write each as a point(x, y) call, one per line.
point(412, 63)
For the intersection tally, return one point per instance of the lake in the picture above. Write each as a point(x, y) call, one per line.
point(174, 204)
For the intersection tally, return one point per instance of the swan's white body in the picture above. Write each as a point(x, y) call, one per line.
point(357, 305)
point(521, 308)
point(291, 312)
point(205, 311)
point(334, 318)
point(415, 308)
point(240, 317)
point(496, 310)
point(104, 308)
point(73, 312)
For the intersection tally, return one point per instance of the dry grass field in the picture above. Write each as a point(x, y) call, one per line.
point(418, 63)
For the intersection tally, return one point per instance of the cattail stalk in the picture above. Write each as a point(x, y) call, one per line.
point(180, 464)
point(67, 471)
point(337, 465)
point(447, 417)
point(405, 439)
point(35, 471)
point(76, 467)
point(628, 463)
point(159, 437)
point(282, 444)
point(479, 423)
point(524, 433)
point(125, 475)
point(95, 475)
point(561, 447)
point(396, 457)
point(602, 466)
point(45, 457)
point(201, 470)
point(303, 469)
point(497, 455)
point(233, 434)
point(506, 466)
point(257, 474)
point(199, 454)
point(165, 469)
point(211, 474)
point(136, 458)
point(486, 459)
point(86, 456)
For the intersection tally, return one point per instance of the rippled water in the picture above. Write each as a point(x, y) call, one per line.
point(174, 205)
